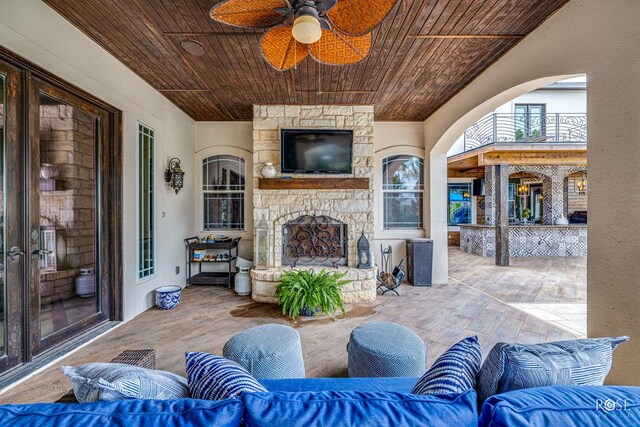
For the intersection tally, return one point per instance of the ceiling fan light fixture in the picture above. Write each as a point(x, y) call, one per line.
point(307, 29)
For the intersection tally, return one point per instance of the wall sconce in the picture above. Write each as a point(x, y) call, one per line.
point(523, 190)
point(581, 186)
point(174, 175)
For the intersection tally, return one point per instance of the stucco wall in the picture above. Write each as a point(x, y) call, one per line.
point(37, 33)
point(599, 39)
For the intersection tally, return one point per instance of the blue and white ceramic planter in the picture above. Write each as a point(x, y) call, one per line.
point(307, 312)
point(167, 297)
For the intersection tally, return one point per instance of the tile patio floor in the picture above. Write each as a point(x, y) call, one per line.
point(480, 299)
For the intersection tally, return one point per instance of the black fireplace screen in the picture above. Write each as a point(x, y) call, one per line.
point(314, 240)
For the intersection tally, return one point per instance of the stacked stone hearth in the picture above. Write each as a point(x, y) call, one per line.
point(277, 207)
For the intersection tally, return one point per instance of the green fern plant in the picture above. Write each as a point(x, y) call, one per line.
point(298, 289)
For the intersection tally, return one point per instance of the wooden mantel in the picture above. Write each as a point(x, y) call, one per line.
point(313, 183)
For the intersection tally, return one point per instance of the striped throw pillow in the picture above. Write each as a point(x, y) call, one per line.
point(95, 382)
point(574, 362)
point(454, 372)
point(213, 377)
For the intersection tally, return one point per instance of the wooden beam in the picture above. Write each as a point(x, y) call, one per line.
point(313, 183)
point(502, 214)
point(494, 158)
point(466, 36)
point(470, 173)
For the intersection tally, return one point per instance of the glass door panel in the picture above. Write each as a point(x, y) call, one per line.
point(65, 146)
point(68, 143)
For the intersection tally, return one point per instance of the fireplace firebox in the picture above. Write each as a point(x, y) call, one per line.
point(314, 240)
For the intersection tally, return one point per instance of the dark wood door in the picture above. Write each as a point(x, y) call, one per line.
point(12, 259)
point(67, 295)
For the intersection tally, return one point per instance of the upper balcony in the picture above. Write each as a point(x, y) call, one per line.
point(557, 128)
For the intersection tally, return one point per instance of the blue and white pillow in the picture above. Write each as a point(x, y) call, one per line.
point(216, 378)
point(454, 372)
point(581, 362)
point(116, 381)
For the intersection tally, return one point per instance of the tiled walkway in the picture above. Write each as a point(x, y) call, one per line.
point(478, 300)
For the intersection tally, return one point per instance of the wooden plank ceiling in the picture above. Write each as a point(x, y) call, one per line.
point(405, 77)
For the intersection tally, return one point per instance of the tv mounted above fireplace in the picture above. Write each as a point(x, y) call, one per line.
point(316, 151)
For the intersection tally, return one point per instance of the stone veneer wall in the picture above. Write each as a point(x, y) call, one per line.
point(353, 207)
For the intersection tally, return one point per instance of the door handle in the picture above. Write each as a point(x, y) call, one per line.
point(15, 253)
point(40, 252)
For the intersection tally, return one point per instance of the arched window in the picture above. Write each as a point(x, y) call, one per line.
point(223, 192)
point(402, 192)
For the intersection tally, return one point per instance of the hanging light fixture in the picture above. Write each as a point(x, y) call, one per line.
point(523, 190)
point(306, 27)
point(581, 185)
point(174, 176)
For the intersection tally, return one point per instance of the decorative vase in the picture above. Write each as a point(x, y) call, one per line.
point(243, 281)
point(167, 297)
point(269, 171)
point(562, 220)
point(48, 171)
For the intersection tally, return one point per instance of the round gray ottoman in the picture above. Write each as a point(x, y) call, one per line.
point(267, 351)
point(383, 349)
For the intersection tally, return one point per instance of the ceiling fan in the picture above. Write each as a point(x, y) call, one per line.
point(335, 32)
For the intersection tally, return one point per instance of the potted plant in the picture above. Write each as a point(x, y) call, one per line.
point(304, 292)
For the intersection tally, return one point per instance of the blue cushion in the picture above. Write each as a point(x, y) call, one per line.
point(216, 378)
point(568, 406)
point(575, 362)
point(139, 413)
point(353, 408)
point(267, 351)
point(385, 349)
point(397, 384)
point(455, 371)
point(116, 381)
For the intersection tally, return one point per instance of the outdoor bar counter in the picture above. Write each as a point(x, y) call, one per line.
point(527, 240)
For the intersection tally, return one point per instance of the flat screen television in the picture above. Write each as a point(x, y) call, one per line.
point(316, 151)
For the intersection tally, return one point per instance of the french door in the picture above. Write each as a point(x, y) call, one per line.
point(67, 296)
point(59, 263)
point(12, 261)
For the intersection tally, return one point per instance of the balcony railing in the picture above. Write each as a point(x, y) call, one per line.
point(526, 128)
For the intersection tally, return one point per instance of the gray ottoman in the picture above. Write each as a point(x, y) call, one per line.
point(267, 351)
point(383, 349)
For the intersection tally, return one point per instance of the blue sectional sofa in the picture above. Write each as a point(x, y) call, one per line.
point(350, 402)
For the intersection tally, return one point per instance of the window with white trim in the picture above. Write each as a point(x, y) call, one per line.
point(402, 192)
point(223, 192)
point(146, 203)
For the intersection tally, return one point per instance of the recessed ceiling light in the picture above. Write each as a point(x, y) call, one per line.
point(193, 47)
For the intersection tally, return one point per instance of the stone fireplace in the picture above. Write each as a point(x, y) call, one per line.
point(325, 224)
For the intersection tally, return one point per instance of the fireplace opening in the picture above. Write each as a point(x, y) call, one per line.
point(314, 240)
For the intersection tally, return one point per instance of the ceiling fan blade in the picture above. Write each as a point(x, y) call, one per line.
point(325, 5)
point(359, 17)
point(338, 49)
point(281, 50)
point(250, 13)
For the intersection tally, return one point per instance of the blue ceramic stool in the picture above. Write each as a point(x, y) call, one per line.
point(267, 351)
point(383, 349)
